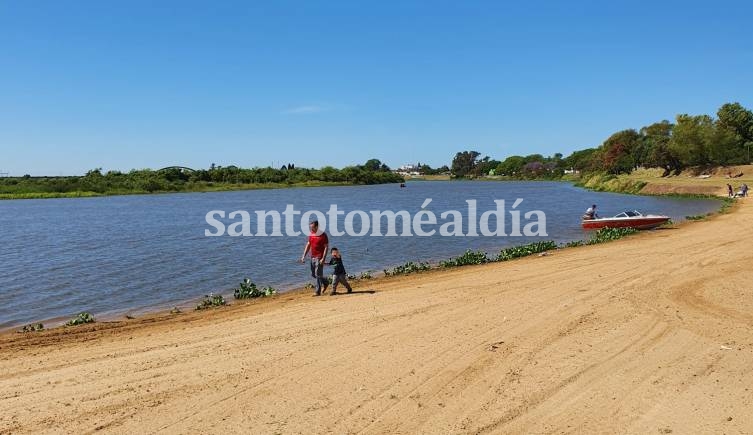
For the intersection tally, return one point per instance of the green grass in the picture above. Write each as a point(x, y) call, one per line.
point(48, 195)
point(188, 188)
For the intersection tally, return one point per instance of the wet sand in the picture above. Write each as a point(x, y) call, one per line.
point(650, 334)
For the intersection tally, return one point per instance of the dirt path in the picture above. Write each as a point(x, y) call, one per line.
point(647, 335)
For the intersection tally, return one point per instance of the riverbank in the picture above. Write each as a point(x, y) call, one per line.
point(582, 338)
point(711, 182)
point(198, 188)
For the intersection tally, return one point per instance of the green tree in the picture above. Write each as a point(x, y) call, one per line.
point(373, 165)
point(511, 166)
point(736, 118)
point(621, 151)
point(581, 160)
point(464, 163)
point(690, 139)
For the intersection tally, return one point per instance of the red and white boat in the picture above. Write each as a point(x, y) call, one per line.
point(626, 219)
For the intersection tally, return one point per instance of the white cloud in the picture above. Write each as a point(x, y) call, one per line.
point(309, 109)
point(304, 110)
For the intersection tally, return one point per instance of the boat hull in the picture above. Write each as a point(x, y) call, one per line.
point(639, 223)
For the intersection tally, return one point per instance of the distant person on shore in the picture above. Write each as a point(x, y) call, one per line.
point(339, 276)
point(730, 191)
point(317, 245)
point(591, 213)
point(744, 189)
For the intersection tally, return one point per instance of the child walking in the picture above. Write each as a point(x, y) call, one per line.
point(339, 276)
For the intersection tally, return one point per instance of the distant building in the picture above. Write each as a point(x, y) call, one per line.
point(409, 168)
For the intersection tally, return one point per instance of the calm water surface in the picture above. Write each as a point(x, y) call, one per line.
point(128, 254)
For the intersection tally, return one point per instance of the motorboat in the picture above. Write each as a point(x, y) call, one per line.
point(626, 219)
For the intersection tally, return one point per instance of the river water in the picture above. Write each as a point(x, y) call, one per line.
point(130, 254)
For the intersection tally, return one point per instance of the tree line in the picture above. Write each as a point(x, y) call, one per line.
point(177, 179)
point(689, 141)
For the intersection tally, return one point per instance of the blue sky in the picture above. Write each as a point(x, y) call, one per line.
point(137, 84)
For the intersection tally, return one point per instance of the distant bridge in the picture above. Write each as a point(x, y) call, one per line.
point(182, 168)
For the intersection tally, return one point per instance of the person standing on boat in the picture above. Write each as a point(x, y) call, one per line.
point(317, 245)
point(591, 213)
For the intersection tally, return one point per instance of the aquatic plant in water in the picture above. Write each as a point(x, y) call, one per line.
point(80, 319)
point(469, 257)
point(34, 327)
point(409, 267)
point(609, 234)
point(526, 250)
point(249, 290)
point(210, 301)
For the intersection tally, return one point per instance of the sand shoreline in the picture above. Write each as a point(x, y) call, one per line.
point(651, 333)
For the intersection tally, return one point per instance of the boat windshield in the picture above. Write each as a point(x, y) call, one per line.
point(628, 213)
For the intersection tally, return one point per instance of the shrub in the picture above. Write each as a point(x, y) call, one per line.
point(211, 301)
point(248, 290)
point(81, 319)
point(468, 258)
point(525, 250)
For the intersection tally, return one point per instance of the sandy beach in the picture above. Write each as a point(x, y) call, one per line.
point(651, 334)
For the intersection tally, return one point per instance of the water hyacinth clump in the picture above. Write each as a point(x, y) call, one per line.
point(574, 243)
point(609, 234)
point(34, 327)
point(409, 267)
point(365, 275)
point(210, 301)
point(526, 250)
point(249, 290)
point(80, 319)
point(469, 257)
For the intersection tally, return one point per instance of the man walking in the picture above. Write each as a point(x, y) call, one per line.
point(317, 244)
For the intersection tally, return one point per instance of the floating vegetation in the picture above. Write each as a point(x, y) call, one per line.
point(609, 234)
point(526, 250)
point(211, 301)
point(80, 319)
point(34, 327)
point(468, 258)
point(365, 275)
point(249, 290)
point(409, 267)
point(574, 243)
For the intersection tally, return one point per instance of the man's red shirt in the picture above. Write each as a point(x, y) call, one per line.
point(317, 244)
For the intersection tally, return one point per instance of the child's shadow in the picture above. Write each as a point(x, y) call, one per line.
point(358, 292)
